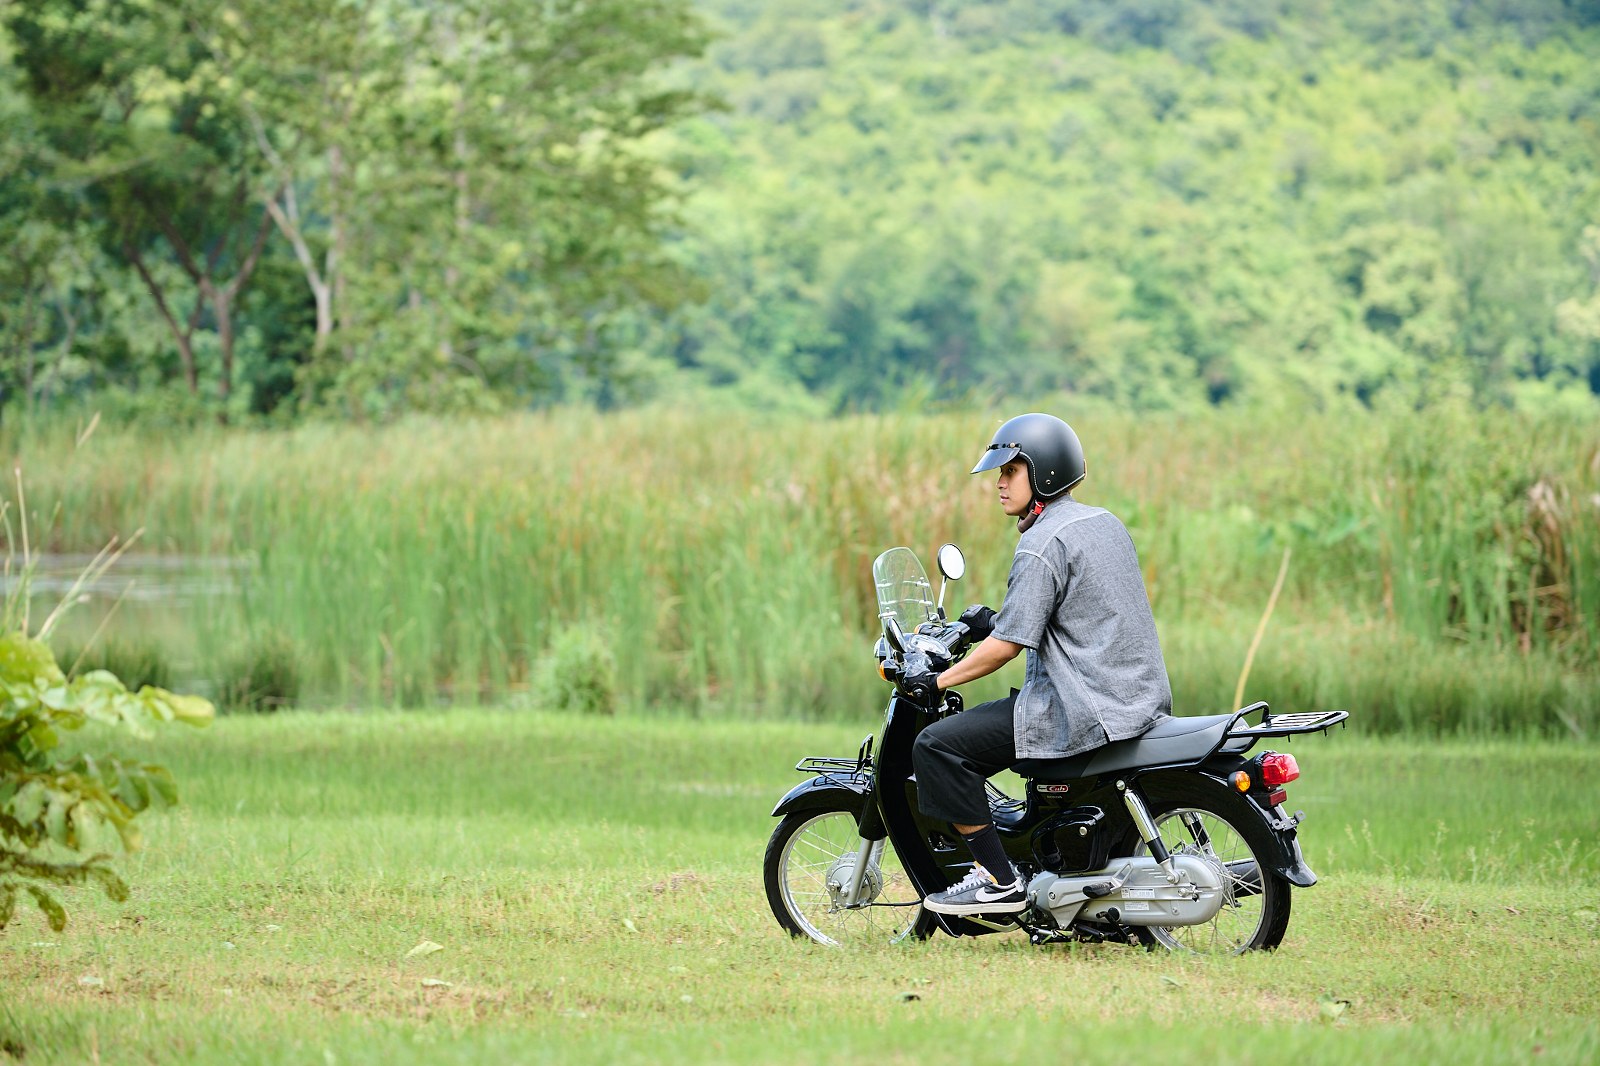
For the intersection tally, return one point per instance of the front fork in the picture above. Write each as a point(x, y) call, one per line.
point(869, 851)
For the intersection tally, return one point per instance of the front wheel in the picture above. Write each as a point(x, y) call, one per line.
point(1255, 901)
point(810, 861)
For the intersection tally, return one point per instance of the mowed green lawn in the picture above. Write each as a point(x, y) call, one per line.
point(594, 886)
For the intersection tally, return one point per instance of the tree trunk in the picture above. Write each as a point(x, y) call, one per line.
point(27, 349)
point(180, 335)
point(338, 249)
point(222, 309)
point(287, 218)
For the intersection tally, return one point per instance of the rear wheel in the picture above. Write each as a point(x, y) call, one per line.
point(810, 861)
point(1255, 904)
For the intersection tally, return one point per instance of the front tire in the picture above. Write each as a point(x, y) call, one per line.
point(1221, 829)
point(810, 858)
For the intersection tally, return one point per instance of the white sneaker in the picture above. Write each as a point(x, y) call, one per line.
point(979, 893)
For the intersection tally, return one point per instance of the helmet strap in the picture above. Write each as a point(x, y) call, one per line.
point(1026, 522)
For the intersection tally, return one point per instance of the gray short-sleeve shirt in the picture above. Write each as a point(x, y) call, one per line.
point(1076, 600)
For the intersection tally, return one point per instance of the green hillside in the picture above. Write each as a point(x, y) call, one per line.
point(1155, 203)
point(264, 206)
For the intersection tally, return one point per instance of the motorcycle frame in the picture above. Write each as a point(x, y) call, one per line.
point(881, 792)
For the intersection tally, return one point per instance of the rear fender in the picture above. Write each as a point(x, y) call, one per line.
point(832, 792)
point(1280, 843)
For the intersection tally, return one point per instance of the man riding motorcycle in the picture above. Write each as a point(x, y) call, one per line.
point(1075, 599)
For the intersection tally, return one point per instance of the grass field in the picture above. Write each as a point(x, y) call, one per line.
point(594, 886)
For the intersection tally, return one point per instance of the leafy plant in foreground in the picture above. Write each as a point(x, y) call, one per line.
point(55, 809)
point(58, 808)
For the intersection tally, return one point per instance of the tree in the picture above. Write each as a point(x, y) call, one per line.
point(144, 141)
point(461, 183)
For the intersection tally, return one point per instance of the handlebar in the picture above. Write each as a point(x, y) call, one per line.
point(931, 646)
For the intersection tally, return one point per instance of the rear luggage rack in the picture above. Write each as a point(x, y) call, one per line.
point(1283, 725)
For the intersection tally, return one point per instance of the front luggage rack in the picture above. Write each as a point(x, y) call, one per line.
point(823, 764)
point(828, 765)
point(1283, 725)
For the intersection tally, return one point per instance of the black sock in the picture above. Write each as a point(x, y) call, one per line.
point(986, 848)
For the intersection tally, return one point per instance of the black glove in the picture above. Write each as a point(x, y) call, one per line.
point(919, 677)
point(979, 621)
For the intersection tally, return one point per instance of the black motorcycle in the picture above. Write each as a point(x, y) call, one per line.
point(1174, 838)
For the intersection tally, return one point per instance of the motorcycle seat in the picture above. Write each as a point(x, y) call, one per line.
point(1170, 741)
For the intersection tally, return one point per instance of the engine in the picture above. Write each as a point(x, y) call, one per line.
point(1133, 891)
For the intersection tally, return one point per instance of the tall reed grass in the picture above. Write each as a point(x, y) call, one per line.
point(1445, 567)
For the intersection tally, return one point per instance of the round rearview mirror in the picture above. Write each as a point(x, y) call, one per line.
point(952, 564)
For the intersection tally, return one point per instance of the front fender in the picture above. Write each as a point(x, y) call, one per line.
point(832, 792)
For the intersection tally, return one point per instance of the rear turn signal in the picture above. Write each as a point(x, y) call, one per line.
point(1240, 780)
point(1278, 769)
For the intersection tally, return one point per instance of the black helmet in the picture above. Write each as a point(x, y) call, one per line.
point(1051, 449)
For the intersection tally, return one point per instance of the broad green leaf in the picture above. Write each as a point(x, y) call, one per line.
point(42, 738)
point(29, 801)
point(24, 659)
point(191, 710)
point(85, 825)
point(130, 788)
point(132, 839)
point(161, 781)
point(61, 698)
point(54, 913)
point(55, 818)
point(97, 700)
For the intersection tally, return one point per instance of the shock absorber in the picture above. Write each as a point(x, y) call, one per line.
point(1147, 831)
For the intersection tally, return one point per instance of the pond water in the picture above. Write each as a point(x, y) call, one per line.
point(161, 601)
point(150, 578)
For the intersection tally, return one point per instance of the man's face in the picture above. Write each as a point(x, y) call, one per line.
point(1016, 495)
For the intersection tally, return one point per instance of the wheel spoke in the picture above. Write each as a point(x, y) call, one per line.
point(817, 863)
point(1244, 912)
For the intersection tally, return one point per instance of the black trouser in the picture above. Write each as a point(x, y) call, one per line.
point(954, 756)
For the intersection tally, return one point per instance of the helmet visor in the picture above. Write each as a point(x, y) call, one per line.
point(996, 456)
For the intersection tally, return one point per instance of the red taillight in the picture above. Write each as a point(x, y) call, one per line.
point(1278, 769)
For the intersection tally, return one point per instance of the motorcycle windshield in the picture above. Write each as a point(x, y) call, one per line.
point(903, 590)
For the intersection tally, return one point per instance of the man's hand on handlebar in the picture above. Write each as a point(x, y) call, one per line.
point(979, 621)
point(919, 676)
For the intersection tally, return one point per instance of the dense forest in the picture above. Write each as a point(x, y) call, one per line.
point(267, 209)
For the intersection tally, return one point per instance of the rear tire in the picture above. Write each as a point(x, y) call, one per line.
point(810, 856)
point(1221, 827)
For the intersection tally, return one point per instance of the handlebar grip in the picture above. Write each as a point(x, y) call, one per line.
point(952, 637)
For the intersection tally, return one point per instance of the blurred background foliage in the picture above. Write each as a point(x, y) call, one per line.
point(1445, 569)
point(1157, 203)
point(812, 206)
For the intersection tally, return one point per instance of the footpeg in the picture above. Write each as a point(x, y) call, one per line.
point(1097, 889)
